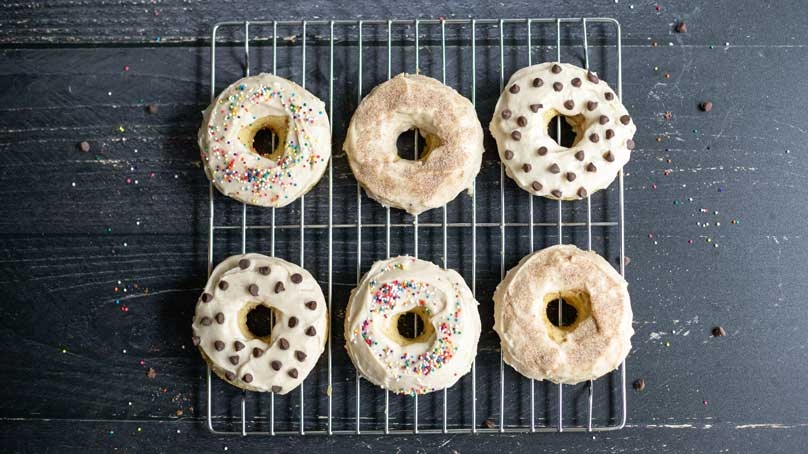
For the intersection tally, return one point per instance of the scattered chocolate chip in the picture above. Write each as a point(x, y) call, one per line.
point(625, 119)
point(279, 287)
point(591, 105)
point(555, 69)
point(639, 384)
point(521, 121)
point(276, 389)
point(247, 378)
point(508, 154)
point(489, 424)
point(542, 151)
point(233, 359)
point(283, 343)
point(218, 345)
point(536, 186)
point(223, 285)
point(151, 108)
point(206, 321)
point(537, 82)
point(579, 155)
point(301, 356)
point(576, 82)
point(592, 77)
point(556, 193)
point(582, 192)
point(243, 264)
point(238, 346)
point(207, 297)
point(220, 318)
point(569, 104)
point(591, 168)
point(609, 156)
point(506, 114)
point(554, 169)
point(514, 89)
point(609, 133)
point(292, 322)
point(719, 332)
point(594, 137)
point(292, 373)
point(311, 305)
point(558, 86)
point(276, 365)
point(706, 106)
point(535, 107)
point(527, 167)
point(681, 27)
point(310, 331)
point(296, 278)
point(84, 146)
point(230, 375)
point(257, 352)
point(630, 144)
point(516, 135)
point(609, 96)
point(253, 289)
point(264, 270)
point(195, 340)
point(571, 176)
point(603, 119)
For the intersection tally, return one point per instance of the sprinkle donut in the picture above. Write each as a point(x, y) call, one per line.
point(594, 333)
point(537, 163)
point(451, 156)
point(440, 354)
point(228, 134)
point(232, 326)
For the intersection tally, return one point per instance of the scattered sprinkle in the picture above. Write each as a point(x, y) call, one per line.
point(126, 68)
point(706, 106)
point(152, 374)
point(639, 384)
point(681, 27)
point(719, 332)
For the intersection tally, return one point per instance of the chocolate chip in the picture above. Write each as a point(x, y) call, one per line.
point(521, 121)
point(706, 106)
point(514, 89)
point(276, 389)
point(310, 331)
point(609, 96)
point(591, 167)
point(625, 119)
point(555, 69)
point(681, 27)
point(608, 156)
point(292, 373)
point(516, 135)
point(558, 86)
point(536, 186)
point(506, 114)
point(206, 321)
point(569, 104)
point(220, 318)
point(238, 346)
point(257, 352)
point(609, 133)
point(230, 375)
point(537, 82)
point(243, 264)
point(630, 144)
point(218, 345)
point(276, 365)
point(592, 77)
point(300, 356)
point(292, 322)
point(603, 119)
point(253, 289)
point(571, 176)
point(579, 155)
point(311, 305)
point(542, 151)
point(581, 192)
point(535, 107)
point(556, 193)
point(527, 167)
point(233, 360)
point(719, 332)
point(84, 146)
point(207, 297)
point(508, 154)
point(223, 285)
point(639, 384)
point(247, 378)
point(576, 82)
point(594, 137)
point(283, 343)
point(264, 270)
point(591, 105)
point(152, 108)
point(554, 169)
point(296, 278)
point(279, 287)
point(195, 340)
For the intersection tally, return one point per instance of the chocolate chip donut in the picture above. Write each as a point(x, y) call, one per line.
point(537, 163)
point(227, 141)
point(232, 326)
point(594, 333)
point(438, 356)
point(451, 156)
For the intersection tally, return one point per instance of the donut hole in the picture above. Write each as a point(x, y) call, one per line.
point(257, 320)
point(563, 316)
point(572, 128)
point(413, 326)
point(564, 311)
point(424, 142)
point(266, 136)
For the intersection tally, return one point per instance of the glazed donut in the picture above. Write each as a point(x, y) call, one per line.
point(232, 327)
point(228, 131)
point(451, 156)
point(536, 162)
point(439, 355)
point(595, 342)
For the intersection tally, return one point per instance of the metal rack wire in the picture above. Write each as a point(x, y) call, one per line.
point(301, 226)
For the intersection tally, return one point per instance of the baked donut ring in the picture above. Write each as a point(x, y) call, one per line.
point(598, 339)
point(439, 355)
point(232, 326)
point(228, 131)
point(536, 162)
point(449, 161)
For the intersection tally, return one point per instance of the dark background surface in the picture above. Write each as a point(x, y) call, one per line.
point(103, 252)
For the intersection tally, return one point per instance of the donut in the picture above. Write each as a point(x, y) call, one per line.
point(537, 163)
point(450, 158)
point(227, 140)
point(440, 354)
point(232, 326)
point(594, 336)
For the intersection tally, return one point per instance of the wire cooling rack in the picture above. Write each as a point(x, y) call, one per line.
point(503, 401)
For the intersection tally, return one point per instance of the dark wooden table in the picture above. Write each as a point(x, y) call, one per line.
point(103, 252)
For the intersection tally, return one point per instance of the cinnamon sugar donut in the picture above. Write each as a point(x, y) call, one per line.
point(449, 161)
point(590, 344)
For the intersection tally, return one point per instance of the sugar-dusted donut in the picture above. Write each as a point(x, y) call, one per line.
point(232, 327)
point(451, 156)
point(439, 355)
point(537, 163)
point(597, 334)
point(228, 131)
